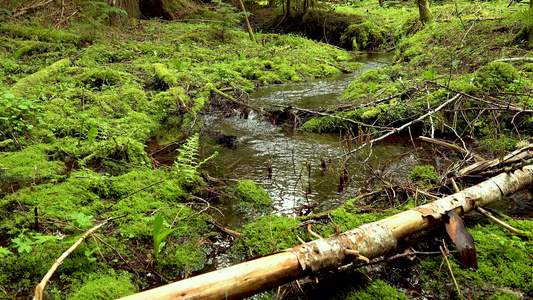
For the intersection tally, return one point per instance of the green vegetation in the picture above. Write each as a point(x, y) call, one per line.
point(248, 192)
point(425, 175)
point(85, 89)
point(376, 290)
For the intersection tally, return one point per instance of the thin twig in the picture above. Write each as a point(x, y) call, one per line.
point(525, 59)
point(396, 130)
point(40, 287)
point(118, 253)
point(451, 272)
point(498, 221)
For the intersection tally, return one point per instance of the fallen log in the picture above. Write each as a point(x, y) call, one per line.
point(368, 241)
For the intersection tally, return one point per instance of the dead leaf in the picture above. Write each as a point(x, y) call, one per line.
point(462, 240)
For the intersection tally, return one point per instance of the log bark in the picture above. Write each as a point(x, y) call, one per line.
point(368, 241)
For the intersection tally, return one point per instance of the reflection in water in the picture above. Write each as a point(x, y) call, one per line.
point(306, 167)
point(315, 93)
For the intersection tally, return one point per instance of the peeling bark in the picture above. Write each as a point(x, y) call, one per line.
point(370, 240)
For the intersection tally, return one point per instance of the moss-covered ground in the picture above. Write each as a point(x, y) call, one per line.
point(79, 104)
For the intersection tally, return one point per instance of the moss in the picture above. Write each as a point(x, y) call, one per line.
point(108, 285)
point(348, 217)
point(32, 165)
point(42, 34)
point(269, 234)
point(363, 36)
point(503, 295)
point(377, 290)
point(370, 82)
point(496, 76)
point(503, 263)
point(184, 258)
point(99, 77)
point(164, 79)
point(506, 141)
point(40, 77)
point(425, 175)
point(247, 191)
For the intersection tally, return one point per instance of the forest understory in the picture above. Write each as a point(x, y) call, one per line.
point(104, 122)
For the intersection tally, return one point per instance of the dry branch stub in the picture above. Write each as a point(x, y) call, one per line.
point(371, 240)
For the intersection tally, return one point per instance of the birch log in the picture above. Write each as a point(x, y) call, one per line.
point(370, 240)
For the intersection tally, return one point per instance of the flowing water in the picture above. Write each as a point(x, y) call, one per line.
point(305, 168)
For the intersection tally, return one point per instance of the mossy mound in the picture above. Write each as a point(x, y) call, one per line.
point(496, 76)
point(34, 164)
point(248, 192)
point(104, 286)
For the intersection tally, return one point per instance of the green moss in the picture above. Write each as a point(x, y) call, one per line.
point(42, 34)
point(247, 191)
point(425, 175)
point(503, 140)
point(496, 76)
point(105, 285)
point(40, 77)
point(32, 165)
point(377, 290)
point(504, 295)
point(163, 77)
point(348, 217)
point(370, 82)
point(503, 263)
point(99, 77)
point(269, 234)
point(179, 259)
point(363, 36)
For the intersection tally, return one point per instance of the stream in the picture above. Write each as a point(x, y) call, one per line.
point(300, 170)
point(291, 154)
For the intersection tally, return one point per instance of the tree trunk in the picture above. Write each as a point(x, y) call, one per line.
point(368, 241)
point(248, 26)
point(289, 8)
point(423, 10)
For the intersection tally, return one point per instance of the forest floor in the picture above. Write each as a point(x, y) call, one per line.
point(89, 99)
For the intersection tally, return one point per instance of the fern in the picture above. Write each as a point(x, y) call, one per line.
point(188, 160)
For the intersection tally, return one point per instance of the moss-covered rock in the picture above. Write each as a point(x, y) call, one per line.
point(496, 76)
point(248, 192)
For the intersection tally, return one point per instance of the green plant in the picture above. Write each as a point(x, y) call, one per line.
point(159, 236)
point(25, 243)
point(177, 64)
point(81, 220)
point(372, 87)
point(429, 74)
point(4, 252)
point(18, 114)
point(91, 135)
point(187, 161)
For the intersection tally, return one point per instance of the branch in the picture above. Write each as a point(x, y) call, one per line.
point(507, 106)
point(396, 130)
point(40, 287)
point(340, 118)
point(528, 59)
point(487, 214)
point(452, 146)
